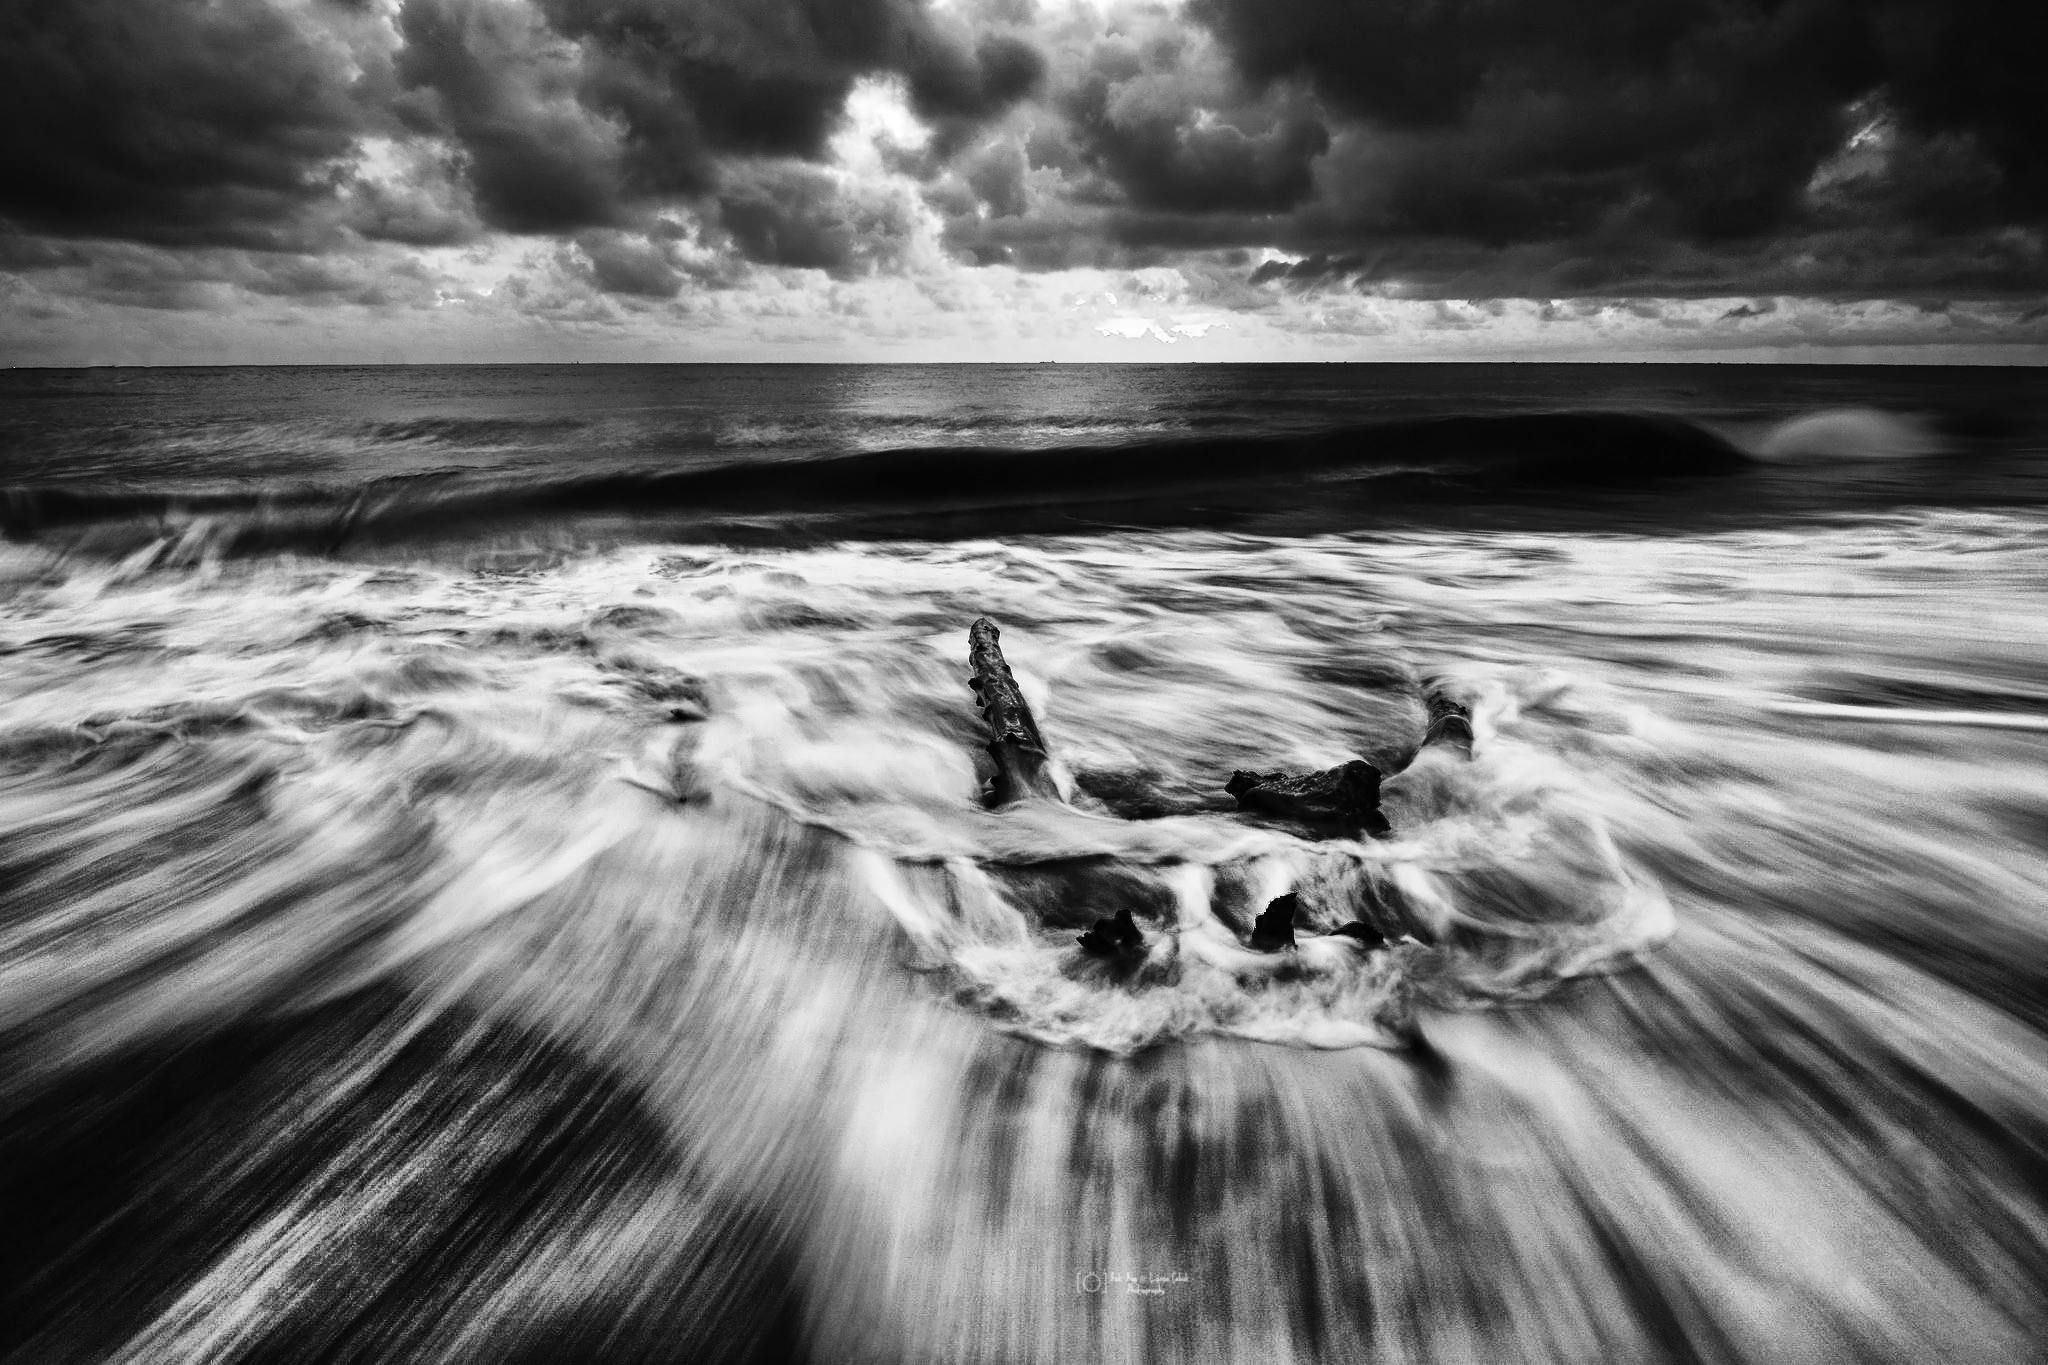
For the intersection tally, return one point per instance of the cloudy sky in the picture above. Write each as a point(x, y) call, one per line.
point(423, 180)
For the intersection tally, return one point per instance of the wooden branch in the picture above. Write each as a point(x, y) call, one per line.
point(1022, 766)
point(1449, 722)
point(1113, 938)
point(1274, 929)
point(1341, 800)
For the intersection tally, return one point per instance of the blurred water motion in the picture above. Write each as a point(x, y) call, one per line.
point(543, 947)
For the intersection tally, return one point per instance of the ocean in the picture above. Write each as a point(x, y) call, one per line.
point(499, 864)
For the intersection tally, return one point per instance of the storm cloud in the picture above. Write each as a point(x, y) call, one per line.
point(241, 120)
point(1623, 125)
point(648, 151)
point(181, 121)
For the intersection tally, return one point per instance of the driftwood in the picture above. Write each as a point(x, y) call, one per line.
point(1113, 937)
point(1370, 935)
point(1023, 767)
point(1346, 799)
point(1274, 929)
point(1449, 722)
point(1341, 799)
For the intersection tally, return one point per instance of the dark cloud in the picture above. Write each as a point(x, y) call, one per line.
point(620, 264)
point(194, 121)
point(185, 279)
point(1172, 158)
point(1972, 69)
point(1060, 234)
point(656, 263)
point(1054, 236)
point(1143, 142)
point(1310, 270)
point(1154, 108)
point(21, 252)
point(1000, 178)
point(1836, 263)
point(683, 85)
point(243, 121)
point(424, 200)
point(959, 87)
point(792, 214)
point(1452, 149)
point(1542, 117)
point(1891, 171)
point(507, 89)
point(1540, 146)
point(1705, 120)
point(688, 79)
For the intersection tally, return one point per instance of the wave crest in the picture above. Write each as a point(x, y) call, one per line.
point(961, 490)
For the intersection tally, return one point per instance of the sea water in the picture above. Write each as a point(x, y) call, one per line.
point(497, 865)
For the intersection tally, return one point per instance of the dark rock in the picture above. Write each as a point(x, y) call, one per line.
point(1274, 929)
point(1341, 799)
point(1368, 934)
point(1022, 766)
point(1112, 937)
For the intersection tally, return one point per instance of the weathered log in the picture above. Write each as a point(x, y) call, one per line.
point(1023, 768)
point(1369, 935)
point(1113, 937)
point(1449, 721)
point(1345, 798)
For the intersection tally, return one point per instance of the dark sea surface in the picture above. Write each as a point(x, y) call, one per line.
point(496, 867)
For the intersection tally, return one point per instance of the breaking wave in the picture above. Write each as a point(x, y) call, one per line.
point(1852, 434)
point(1383, 466)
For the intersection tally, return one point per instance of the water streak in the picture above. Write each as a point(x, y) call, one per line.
point(605, 954)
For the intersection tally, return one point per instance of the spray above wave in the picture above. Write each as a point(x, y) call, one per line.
point(1840, 434)
point(969, 490)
